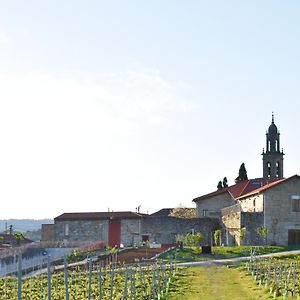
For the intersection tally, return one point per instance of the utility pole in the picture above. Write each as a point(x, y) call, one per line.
point(10, 229)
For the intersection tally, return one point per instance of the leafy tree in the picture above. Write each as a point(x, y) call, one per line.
point(183, 212)
point(242, 174)
point(225, 182)
point(220, 185)
point(190, 239)
point(242, 233)
point(263, 233)
point(217, 236)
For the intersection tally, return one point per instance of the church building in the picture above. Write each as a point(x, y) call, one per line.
point(271, 202)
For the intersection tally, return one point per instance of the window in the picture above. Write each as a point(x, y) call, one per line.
point(295, 205)
point(269, 145)
point(66, 229)
point(269, 169)
point(277, 146)
point(277, 169)
point(205, 213)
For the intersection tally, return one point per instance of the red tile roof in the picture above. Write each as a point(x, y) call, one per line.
point(267, 186)
point(239, 189)
point(100, 215)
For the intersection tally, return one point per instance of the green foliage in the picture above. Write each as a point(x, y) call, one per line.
point(263, 233)
point(151, 280)
point(242, 174)
point(18, 235)
point(217, 234)
point(225, 182)
point(190, 239)
point(242, 233)
point(190, 253)
point(220, 185)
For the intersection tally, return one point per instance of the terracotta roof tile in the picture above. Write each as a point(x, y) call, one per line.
point(239, 189)
point(267, 186)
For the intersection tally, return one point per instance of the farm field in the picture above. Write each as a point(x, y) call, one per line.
point(215, 282)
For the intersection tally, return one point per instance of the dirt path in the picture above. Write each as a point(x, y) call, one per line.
point(215, 282)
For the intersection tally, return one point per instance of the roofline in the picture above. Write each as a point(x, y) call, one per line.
point(73, 216)
point(207, 196)
point(267, 187)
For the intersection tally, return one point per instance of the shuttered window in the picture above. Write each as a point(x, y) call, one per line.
point(295, 205)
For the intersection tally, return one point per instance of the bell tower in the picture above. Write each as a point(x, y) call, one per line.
point(273, 157)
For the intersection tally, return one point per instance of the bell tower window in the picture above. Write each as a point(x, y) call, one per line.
point(277, 169)
point(269, 169)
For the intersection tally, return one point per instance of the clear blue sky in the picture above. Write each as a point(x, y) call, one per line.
point(115, 104)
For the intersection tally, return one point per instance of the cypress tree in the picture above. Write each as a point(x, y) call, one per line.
point(242, 174)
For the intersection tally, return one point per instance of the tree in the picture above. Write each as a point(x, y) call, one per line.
point(217, 237)
point(225, 184)
point(220, 185)
point(183, 212)
point(190, 239)
point(263, 233)
point(242, 174)
point(242, 233)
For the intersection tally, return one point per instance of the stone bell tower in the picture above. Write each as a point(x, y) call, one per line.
point(273, 157)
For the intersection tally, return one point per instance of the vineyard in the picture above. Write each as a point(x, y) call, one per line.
point(280, 276)
point(94, 281)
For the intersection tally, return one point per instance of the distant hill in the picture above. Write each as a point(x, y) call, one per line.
point(23, 225)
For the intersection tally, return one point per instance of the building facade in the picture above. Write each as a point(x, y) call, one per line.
point(126, 228)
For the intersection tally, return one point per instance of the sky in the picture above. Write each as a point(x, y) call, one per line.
point(111, 105)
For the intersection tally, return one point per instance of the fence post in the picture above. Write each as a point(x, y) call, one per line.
point(100, 281)
point(66, 277)
point(49, 276)
point(112, 276)
point(20, 276)
point(90, 278)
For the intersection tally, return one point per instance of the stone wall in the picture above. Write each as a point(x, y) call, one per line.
point(235, 222)
point(130, 232)
point(47, 232)
point(252, 204)
point(251, 221)
point(279, 217)
point(165, 229)
point(211, 207)
point(81, 230)
point(232, 225)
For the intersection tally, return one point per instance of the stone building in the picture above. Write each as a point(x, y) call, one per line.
point(114, 228)
point(126, 228)
point(275, 206)
point(210, 205)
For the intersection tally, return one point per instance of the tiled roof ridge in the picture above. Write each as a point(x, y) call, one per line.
point(268, 186)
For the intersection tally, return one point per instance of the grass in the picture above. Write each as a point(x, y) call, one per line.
point(188, 254)
point(215, 282)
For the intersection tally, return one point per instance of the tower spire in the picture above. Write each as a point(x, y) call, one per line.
point(272, 117)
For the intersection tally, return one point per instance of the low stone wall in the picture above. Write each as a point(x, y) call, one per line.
point(248, 221)
point(251, 221)
point(164, 229)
